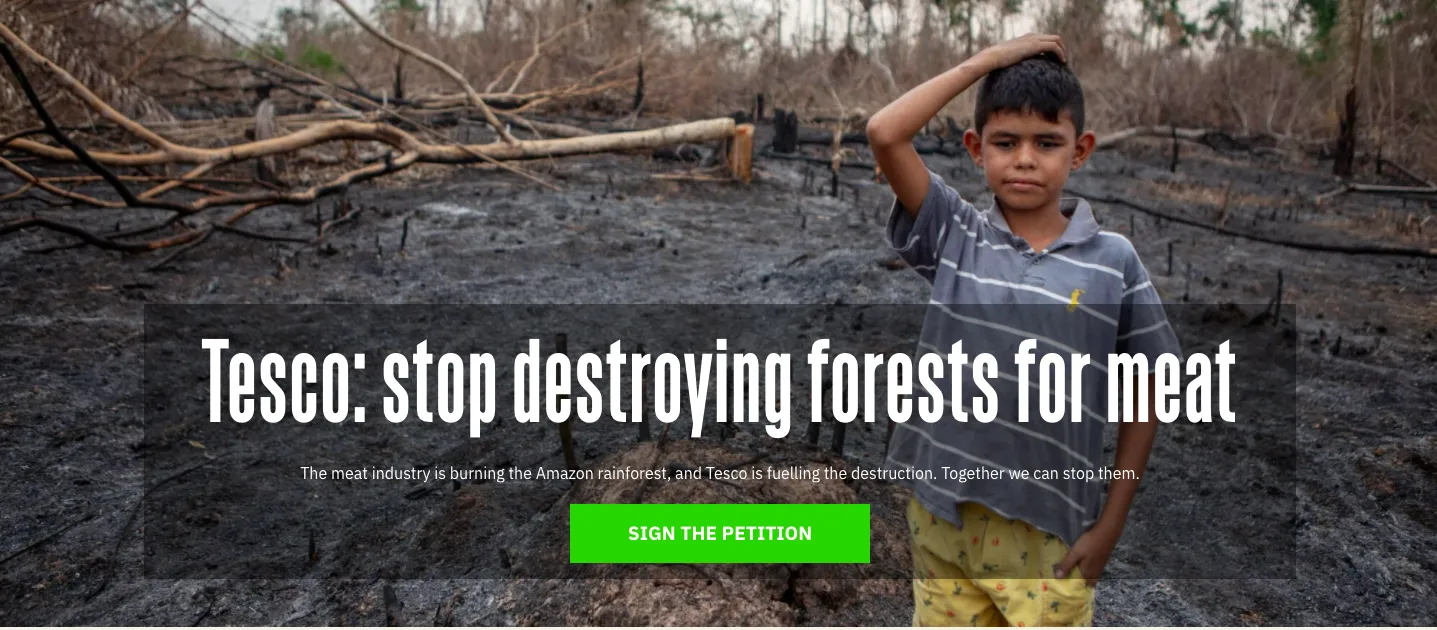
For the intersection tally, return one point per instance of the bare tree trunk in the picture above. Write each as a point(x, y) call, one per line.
point(399, 77)
point(778, 26)
point(868, 29)
point(900, 31)
point(1354, 33)
point(813, 30)
point(925, 33)
point(968, 32)
point(848, 36)
point(825, 26)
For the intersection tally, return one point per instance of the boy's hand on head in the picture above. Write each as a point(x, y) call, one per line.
point(1015, 50)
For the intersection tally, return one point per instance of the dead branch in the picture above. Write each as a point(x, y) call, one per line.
point(700, 131)
point(164, 37)
point(46, 538)
point(1116, 137)
point(1222, 212)
point(1408, 173)
point(369, 102)
point(180, 251)
point(175, 183)
point(405, 149)
point(19, 192)
point(539, 47)
point(1201, 136)
point(24, 133)
point(1374, 189)
point(32, 181)
point(86, 235)
point(350, 214)
point(474, 100)
point(869, 166)
point(1373, 250)
point(553, 129)
point(54, 130)
point(1381, 189)
point(168, 152)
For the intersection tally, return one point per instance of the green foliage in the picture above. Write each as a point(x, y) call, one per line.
point(262, 49)
point(1322, 16)
point(1224, 23)
point(1157, 13)
point(1266, 38)
point(696, 16)
point(391, 7)
point(319, 59)
point(289, 17)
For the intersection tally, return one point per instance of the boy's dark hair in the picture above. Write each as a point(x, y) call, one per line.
point(1041, 85)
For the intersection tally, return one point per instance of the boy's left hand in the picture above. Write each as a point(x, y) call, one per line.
point(1090, 553)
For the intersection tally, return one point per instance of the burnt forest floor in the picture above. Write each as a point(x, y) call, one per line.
point(71, 366)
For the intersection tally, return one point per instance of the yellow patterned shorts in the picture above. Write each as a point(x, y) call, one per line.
point(993, 571)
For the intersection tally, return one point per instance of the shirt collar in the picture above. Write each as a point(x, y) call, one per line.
point(1082, 225)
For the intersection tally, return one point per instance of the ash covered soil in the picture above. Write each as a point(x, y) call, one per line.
point(73, 439)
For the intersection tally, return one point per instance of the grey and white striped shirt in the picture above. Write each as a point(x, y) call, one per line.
point(1086, 293)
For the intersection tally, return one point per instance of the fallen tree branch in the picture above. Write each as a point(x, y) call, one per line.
point(349, 215)
point(1373, 250)
point(414, 150)
point(1409, 174)
point(816, 160)
point(19, 192)
point(699, 131)
point(374, 104)
point(79, 152)
point(24, 133)
point(88, 236)
point(1396, 190)
point(1214, 138)
point(180, 251)
point(405, 150)
point(47, 538)
point(474, 99)
point(1376, 189)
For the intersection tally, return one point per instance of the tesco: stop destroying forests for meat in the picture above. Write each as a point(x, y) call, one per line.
point(743, 387)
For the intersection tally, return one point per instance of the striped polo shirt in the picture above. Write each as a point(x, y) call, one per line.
point(1086, 293)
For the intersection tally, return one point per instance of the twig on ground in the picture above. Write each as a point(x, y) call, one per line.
point(1374, 250)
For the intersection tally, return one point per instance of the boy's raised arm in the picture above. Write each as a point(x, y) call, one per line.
point(891, 130)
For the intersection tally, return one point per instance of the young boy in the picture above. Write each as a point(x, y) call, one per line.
point(999, 536)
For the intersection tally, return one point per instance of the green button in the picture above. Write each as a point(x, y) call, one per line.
point(798, 533)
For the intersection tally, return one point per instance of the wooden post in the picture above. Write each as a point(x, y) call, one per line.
point(1277, 300)
point(1170, 258)
point(785, 137)
point(566, 429)
point(1173, 168)
point(740, 158)
point(1188, 284)
point(839, 432)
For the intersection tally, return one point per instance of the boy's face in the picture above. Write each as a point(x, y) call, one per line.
point(1027, 159)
